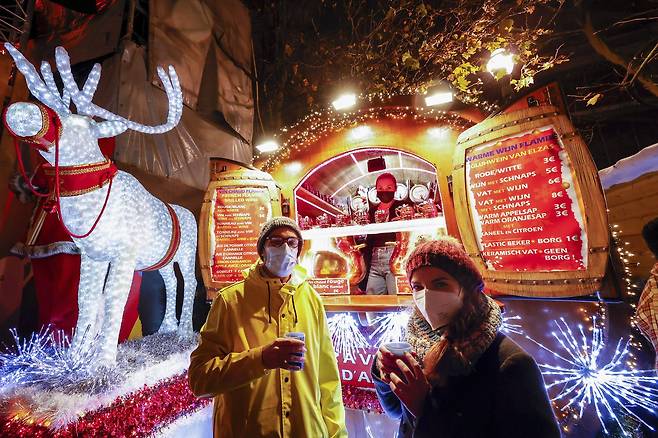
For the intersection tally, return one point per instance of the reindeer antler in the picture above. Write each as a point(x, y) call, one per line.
point(49, 79)
point(174, 96)
point(83, 104)
point(44, 89)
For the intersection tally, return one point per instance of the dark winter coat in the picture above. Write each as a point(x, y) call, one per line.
point(503, 397)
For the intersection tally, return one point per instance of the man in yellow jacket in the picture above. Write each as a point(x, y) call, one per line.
point(260, 384)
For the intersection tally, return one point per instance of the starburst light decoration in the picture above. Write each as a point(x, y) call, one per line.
point(510, 325)
point(345, 335)
point(583, 379)
point(391, 327)
point(45, 357)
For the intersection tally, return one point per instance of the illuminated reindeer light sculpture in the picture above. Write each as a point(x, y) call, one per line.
point(114, 221)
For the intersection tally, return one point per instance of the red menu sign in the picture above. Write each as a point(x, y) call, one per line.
point(524, 205)
point(330, 286)
point(238, 215)
point(355, 371)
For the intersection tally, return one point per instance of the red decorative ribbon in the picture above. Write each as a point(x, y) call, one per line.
point(78, 180)
point(141, 413)
point(174, 243)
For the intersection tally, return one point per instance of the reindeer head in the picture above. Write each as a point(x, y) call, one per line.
point(78, 134)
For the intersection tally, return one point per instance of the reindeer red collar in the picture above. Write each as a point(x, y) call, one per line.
point(78, 180)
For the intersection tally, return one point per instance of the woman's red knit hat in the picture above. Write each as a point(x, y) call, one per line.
point(446, 253)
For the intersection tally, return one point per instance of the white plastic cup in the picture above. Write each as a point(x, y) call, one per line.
point(301, 337)
point(398, 348)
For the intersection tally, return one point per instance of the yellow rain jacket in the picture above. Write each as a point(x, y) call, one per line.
point(251, 401)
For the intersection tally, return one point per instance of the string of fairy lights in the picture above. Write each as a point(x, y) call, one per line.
point(319, 124)
point(383, 97)
point(630, 286)
point(625, 256)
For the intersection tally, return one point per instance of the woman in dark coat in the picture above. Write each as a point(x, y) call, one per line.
point(465, 378)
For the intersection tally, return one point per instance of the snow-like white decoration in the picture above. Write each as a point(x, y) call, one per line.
point(135, 229)
point(630, 168)
point(198, 425)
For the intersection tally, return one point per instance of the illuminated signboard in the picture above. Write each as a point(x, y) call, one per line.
point(524, 205)
point(237, 217)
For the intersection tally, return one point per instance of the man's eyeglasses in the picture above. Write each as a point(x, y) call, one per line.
point(292, 242)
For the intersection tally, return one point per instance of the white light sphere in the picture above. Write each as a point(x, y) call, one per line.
point(24, 118)
point(501, 60)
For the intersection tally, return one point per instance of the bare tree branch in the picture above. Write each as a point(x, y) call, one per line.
point(606, 52)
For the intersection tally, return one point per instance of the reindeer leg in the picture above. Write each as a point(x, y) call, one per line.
point(187, 269)
point(186, 257)
point(90, 297)
point(169, 322)
point(117, 287)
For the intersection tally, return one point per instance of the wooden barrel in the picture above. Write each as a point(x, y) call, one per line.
point(238, 200)
point(529, 204)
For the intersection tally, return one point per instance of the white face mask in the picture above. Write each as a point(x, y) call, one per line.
point(280, 260)
point(438, 307)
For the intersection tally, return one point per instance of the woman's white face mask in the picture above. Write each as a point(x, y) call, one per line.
point(438, 307)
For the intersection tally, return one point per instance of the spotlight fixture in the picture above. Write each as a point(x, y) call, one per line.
point(501, 61)
point(344, 101)
point(267, 146)
point(438, 97)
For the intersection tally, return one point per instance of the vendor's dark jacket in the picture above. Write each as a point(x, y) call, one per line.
point(503, 397)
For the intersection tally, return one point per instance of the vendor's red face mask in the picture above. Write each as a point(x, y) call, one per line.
point(21, 117)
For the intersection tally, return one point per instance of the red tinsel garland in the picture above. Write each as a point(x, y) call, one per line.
point(362, 399)
point(145, 411)
point(138, 414)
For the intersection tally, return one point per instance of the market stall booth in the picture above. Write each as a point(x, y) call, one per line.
point(519, 190)
point(327, 179)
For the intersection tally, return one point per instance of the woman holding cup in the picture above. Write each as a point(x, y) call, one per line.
point(457, 376)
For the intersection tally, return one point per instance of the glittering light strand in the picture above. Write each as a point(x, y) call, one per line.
point(631, 287)
point(583, 381)
point(319, 124)
point(510, 325)
point(346, 336)
point(391, 327)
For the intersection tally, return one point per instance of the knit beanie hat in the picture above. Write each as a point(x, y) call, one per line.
point(271, 225)
point(446, 253)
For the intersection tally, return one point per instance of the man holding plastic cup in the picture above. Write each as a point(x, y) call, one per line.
point(265, 353)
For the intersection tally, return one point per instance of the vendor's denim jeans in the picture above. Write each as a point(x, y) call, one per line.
point(381, 280)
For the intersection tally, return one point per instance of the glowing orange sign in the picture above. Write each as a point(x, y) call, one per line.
point(238, 215)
